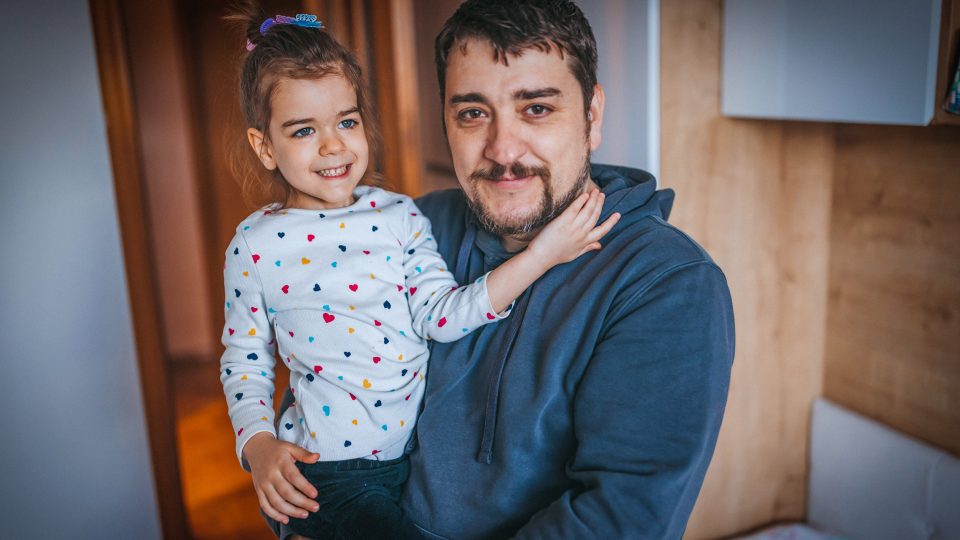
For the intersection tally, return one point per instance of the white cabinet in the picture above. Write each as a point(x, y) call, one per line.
point(865, 61)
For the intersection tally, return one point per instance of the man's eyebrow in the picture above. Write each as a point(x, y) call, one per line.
point(536, 93)
point(472, 97)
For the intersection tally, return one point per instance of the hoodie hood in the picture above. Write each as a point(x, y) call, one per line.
point(632, 192)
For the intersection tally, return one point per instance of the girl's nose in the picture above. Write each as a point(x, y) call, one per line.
point(331, 144)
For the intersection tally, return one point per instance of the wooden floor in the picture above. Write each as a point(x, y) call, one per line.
point(218, 494)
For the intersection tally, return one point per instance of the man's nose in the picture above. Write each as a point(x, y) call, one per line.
point(331, 143)
point(505, 142)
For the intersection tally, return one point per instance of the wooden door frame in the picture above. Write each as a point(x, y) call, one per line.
point(127, 165)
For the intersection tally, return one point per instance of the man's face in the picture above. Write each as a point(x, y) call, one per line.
point(518, 134)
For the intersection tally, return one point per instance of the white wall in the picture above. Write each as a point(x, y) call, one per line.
point(74, 461)
point(628, 44)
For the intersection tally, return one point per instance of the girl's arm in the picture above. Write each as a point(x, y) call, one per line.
point(246, 367)
point(571, 234)
point(443, 311)
point(246, 372)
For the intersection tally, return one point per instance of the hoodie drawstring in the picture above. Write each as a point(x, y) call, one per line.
point(463, 256)
point(485, 454)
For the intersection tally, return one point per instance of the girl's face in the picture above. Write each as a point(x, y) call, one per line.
point(316, 140)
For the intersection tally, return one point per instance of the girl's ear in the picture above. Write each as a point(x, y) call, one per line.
point(261, 147)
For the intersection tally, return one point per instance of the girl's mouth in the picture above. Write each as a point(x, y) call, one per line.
point(335, 172)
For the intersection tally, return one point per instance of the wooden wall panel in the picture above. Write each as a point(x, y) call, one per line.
point(893, 346)
point(757, 195)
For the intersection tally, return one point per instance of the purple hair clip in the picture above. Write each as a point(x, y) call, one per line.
point(304, 20)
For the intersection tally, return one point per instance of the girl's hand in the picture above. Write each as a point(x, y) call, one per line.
point(574, 232)
point(283, 492)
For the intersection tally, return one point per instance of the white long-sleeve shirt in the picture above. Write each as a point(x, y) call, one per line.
point(350, 296)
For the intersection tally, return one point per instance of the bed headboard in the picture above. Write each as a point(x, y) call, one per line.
point(868, 481)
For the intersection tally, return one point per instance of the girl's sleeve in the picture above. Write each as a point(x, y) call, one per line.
point(246, 367)
point(440, 309)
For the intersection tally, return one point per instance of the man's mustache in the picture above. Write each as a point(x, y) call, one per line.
point(517, 170)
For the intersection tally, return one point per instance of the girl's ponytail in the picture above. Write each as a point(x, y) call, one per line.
point(249, 16)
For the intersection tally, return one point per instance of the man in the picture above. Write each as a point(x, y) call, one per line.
point(594, 409)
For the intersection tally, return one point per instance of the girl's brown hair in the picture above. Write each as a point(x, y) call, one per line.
point(288, 50)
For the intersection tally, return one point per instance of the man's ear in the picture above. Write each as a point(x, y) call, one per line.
point(595, 116)
point(261, 147)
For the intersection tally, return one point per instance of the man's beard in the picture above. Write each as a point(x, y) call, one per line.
point(546, 210)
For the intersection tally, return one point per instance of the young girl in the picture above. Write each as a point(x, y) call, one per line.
point(345, 281)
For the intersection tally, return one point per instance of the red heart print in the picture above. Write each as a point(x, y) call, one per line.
point(490, 316)
point(328, 318)
point(291, 334)
point(255, 258)
point(253, 309)
point(413, 291)
point(373, 204)
point(310, 237)
point(442, 322)
point(285, 289)
point(317, 369)
point(231, 330)
point(365, 252)
point(376, 359)
point(376, 322)
point(353, 397)
point(399, 288)
point(353, 287)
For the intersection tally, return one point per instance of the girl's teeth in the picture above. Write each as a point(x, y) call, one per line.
point(334, 172)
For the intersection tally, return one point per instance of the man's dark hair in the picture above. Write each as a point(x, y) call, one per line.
point(513, 26)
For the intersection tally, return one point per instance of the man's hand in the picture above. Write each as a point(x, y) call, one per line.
point(574, 232)
point(283, 492)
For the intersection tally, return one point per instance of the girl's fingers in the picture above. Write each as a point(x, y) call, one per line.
point(597, 209)
point(601, 230)
point(303, 486)
point(296, 490)
point(281, 504)
point(573, 211)
point(592, 247)
point(583, 213)
point(296, 499)
point(269, 510)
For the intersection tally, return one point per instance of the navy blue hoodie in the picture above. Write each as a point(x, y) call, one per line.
point(593, 410)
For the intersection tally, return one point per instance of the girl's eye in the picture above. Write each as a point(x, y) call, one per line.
point(470, 114)
point(303, 132)
point(537, 110)
point(349, 123)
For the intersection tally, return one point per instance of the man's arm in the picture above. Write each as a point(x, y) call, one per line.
point(647, 412)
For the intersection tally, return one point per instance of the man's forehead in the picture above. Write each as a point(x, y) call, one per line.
point(480, 45)
point(474, 62)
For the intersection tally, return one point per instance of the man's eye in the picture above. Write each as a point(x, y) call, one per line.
point(303, 132)
point(470, 114)
point(349, 123)
point(537, 110)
